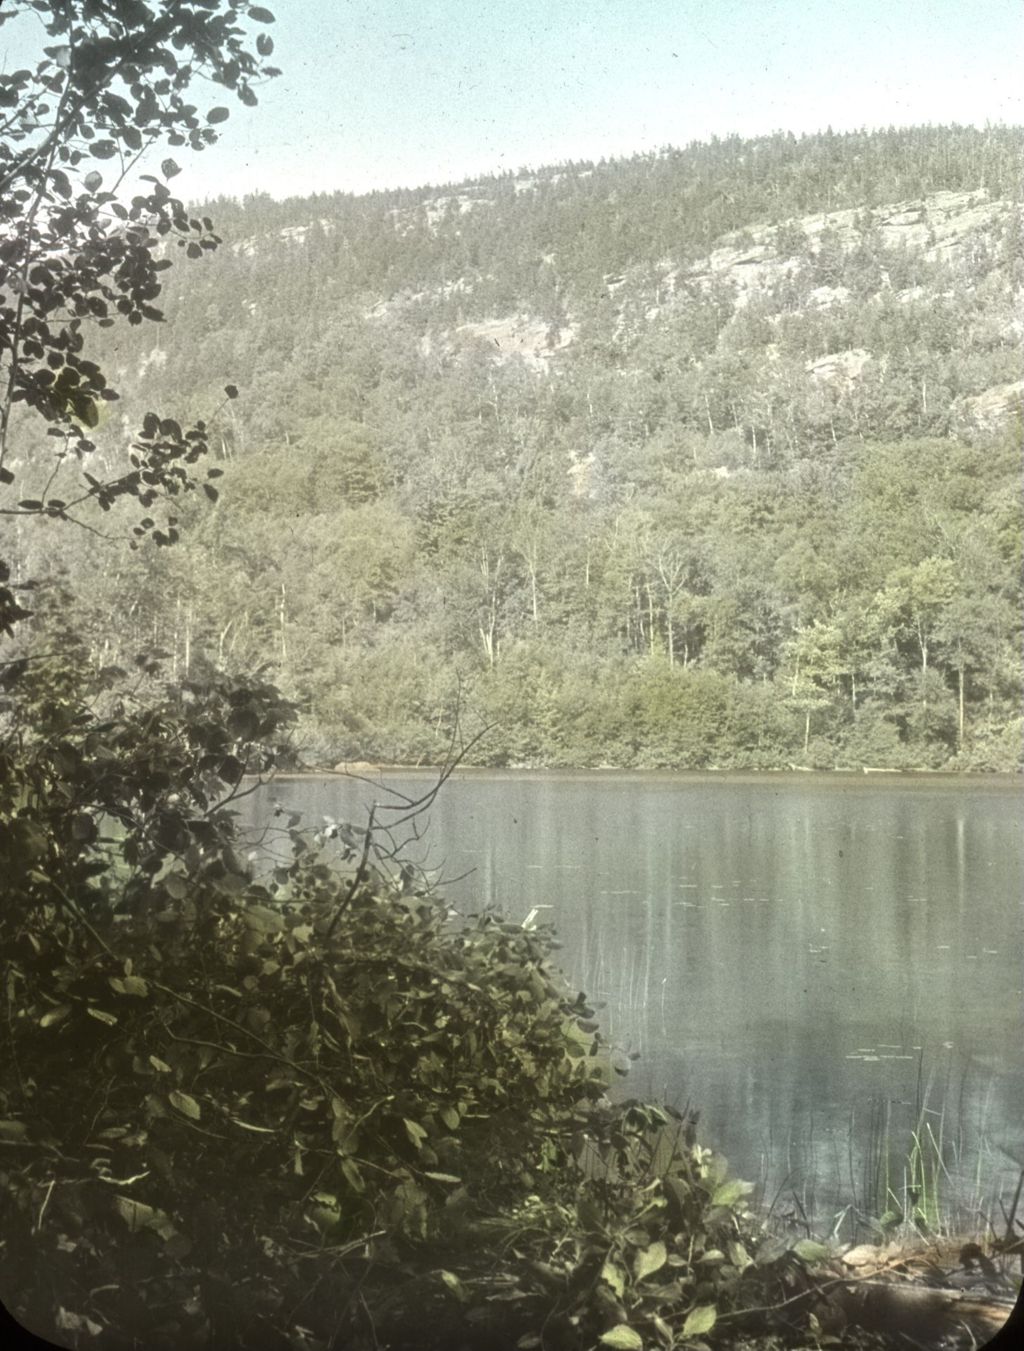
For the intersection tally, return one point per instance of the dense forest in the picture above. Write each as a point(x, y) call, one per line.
point(702, 458)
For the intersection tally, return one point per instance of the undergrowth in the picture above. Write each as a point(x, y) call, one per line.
point(316, 1108)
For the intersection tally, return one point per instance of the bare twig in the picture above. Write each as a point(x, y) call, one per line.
point(809, 1293)
point(268, 1050)
point(42, 1208)
point(358, 879)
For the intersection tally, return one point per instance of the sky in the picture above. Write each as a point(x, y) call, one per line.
point(390, 93)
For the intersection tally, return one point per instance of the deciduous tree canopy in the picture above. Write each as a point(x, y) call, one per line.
point(743, 411)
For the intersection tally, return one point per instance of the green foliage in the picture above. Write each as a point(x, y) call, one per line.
point(656, 1244)
point(440, 1050)
point(222, 1079)
point(75, 256)
point(236, 1089)
point(149, 782)
point(684, 716)
point(490, 446)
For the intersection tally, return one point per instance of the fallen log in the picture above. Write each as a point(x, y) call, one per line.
point(924, 1313)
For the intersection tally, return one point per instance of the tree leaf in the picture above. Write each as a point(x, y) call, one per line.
point(263, 919)
point(352, 1175)
point(739, 1256)
point(415, 1132)
point(730, 1192)
point(135, 1214)
point(650, 1260)
point(623, 1338)
point(345, 1131)
point(613, 1276)
point(216, 115)
point(663, 1330)
point(176, 886)
point(700, 1320)
point(76, 1322)
point(809, 1251)
point(185, 1104)
point(454, 1285)
point(133, 985)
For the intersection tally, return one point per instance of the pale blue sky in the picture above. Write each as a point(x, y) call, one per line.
point(382, 93)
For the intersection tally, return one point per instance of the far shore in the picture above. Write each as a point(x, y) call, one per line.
point(794, 774)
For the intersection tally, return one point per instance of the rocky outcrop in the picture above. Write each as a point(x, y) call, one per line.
point(839, 368)
point(993, 407)
point(505, 338)
point(942, 225)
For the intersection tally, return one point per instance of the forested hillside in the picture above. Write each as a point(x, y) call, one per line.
point(707, 458)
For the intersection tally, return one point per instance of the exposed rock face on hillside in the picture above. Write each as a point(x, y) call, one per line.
point(291, 234)
point(839, 367)
point(519, 335)
point(939, 227)
point(994, 406)
point(942, 227)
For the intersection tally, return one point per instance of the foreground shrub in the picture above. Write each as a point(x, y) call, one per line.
point(299, 1103)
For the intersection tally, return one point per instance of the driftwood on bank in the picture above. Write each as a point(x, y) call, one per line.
point(925, 1314)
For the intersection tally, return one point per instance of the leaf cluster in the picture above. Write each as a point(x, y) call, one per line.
point(111, 82)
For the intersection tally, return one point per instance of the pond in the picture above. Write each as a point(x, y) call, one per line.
point(828, 968)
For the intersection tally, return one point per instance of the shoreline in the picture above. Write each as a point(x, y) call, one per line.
point(849, 778)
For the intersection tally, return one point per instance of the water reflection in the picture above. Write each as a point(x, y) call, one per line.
point(810, 966)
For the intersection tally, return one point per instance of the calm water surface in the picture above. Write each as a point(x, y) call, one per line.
point(813, 964)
